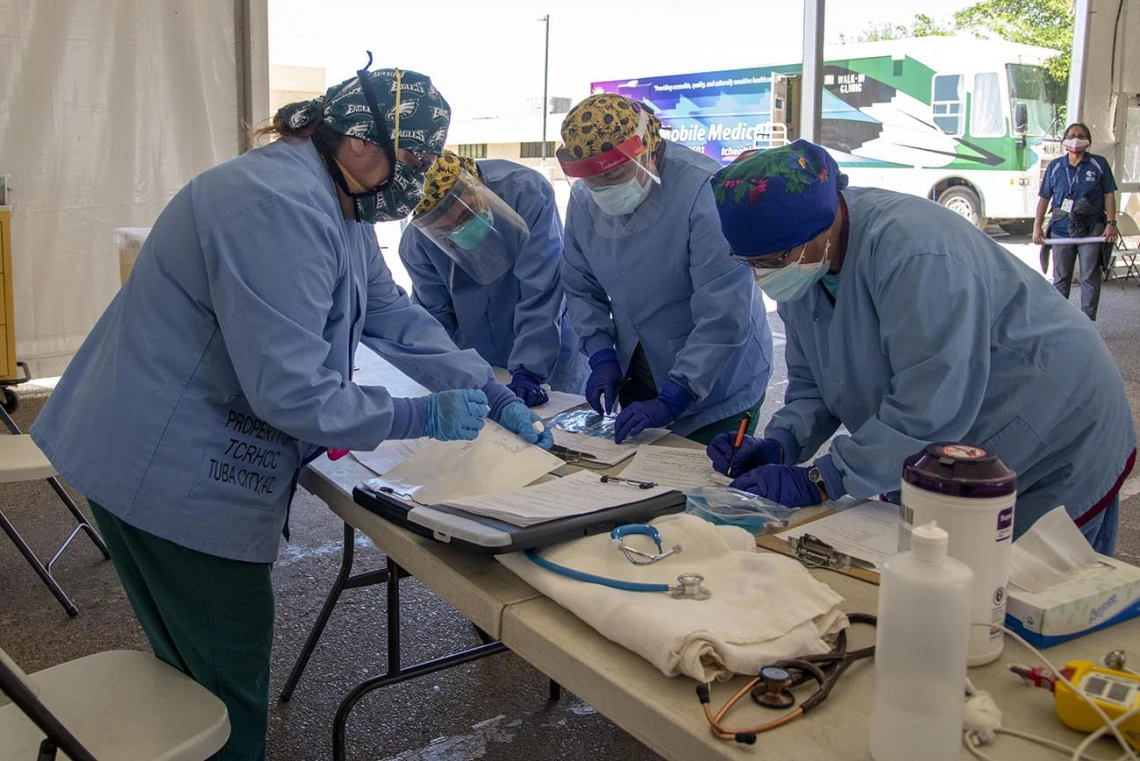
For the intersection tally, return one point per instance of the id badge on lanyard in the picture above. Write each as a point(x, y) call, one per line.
point(1067, 204)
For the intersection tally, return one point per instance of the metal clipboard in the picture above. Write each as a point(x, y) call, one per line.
point(818, 554)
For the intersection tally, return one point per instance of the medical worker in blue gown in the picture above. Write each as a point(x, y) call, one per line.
point(907, 325)
point(225, 362)
point(484, 252)
point(674, 329)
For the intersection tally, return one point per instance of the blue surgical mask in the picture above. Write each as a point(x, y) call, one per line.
point(792, 281)
point(617, 200)
point(831, 283)
point(473, 232)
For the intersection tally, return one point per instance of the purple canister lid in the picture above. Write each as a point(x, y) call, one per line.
point(959, 470)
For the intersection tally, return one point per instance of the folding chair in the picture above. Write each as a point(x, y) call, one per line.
point(21, 460)
point(1127, 231)
point(119, 705)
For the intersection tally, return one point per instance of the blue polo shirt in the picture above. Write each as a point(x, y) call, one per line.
point(1091, 179)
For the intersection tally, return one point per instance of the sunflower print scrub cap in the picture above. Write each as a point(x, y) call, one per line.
point(602, 122)
point(441, 178)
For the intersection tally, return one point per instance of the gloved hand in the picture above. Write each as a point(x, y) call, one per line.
point(753, 453)
point(787, 485)
point(455, 415)
point(670, 404)
point(517, 418)
point(528, 388)
point(605, 377)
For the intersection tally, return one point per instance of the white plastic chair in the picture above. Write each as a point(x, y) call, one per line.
point(21, 460)
point(120, 705)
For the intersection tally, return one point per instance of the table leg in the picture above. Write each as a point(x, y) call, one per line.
point(344, 580)
point(396, 674)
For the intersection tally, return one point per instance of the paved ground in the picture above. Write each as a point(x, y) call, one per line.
point(494, 710)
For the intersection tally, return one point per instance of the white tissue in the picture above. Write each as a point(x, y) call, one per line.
point(1051, 552)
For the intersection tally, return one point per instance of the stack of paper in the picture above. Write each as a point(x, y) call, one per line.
point(497, 460)
point(592, 434)
point(682, 469)
point(390, 454)
point(559, 402)
point(578, 494)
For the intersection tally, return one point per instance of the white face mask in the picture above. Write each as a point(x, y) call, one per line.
point(792, 281)
point(617, 200)
point(1075, 144)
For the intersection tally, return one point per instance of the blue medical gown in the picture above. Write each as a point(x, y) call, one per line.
point(227, 355)
point(663, 277)
point(939, 334)
point(518, 321)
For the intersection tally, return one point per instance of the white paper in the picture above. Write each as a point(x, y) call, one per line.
point(587, 432)
point(577, 494)
point(684, 469)
point(1053, 551)
point(1074, 241)
point(497, 460)
point(559, 402)
point(390, 454)
point(868, 531)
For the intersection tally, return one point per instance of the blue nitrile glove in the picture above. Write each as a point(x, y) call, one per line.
point(455, 415)
point(753, 453)
point(669, 405)
point(787, 485)
point(517, 418)
point(528, 388)
point(605, 378)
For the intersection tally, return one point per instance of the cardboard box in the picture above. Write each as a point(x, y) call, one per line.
point(130, 240)
point(1077, 607)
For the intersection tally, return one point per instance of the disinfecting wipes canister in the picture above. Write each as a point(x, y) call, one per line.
point(971, 495)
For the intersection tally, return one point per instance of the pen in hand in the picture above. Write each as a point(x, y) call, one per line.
point(744, 423)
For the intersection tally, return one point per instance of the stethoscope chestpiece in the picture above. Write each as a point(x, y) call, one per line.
point(688, 587)
point(774, 692)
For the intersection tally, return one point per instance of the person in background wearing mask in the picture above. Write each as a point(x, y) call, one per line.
point(484, 252)
point(674, 330)
point(1079, 192)
point(225, 363)
point(907, 325)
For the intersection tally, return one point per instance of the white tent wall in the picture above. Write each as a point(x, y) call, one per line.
point(108, 108)
point(1105, 85)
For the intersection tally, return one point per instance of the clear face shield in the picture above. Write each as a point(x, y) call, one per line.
point(621, 178)
point(476, 229)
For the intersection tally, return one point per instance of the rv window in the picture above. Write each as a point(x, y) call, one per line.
point(1028, 86)
point(948, 103)
point(986, 117)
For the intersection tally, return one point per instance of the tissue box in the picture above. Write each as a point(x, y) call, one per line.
point(1076, 607)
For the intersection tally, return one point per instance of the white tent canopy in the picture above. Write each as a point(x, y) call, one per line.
point(1104, 90)
point(110, 107)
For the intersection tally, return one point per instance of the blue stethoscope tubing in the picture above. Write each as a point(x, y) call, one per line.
point(628, 586)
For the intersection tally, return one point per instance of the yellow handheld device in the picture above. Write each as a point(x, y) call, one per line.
point(1114, 692)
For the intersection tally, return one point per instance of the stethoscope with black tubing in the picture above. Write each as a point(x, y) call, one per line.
point(773, 685)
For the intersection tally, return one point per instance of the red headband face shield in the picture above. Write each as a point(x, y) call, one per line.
point(627, 160)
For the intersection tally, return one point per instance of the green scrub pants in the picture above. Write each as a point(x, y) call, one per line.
point(640, 386)
point(206, 616)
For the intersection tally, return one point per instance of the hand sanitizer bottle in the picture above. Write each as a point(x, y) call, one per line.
point(921, 647)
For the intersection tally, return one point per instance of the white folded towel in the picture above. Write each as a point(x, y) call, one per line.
point(764, 607)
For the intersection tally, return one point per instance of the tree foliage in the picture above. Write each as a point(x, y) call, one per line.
point(921, 26)
point(1046, 23)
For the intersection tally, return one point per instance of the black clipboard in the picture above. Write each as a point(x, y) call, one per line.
point(487, 535)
